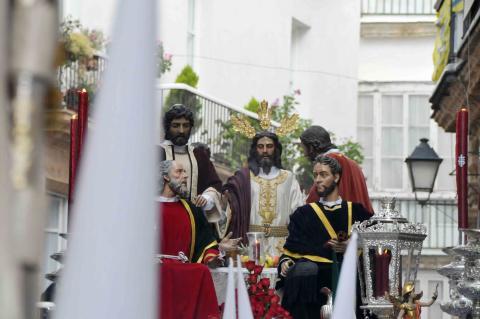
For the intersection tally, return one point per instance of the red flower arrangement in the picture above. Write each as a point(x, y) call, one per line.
point(263, 299)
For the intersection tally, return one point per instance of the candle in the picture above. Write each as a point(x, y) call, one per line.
point(82, 119)
point(461, 165)
point(382, 263)
point(72, 167)
point(257, 252)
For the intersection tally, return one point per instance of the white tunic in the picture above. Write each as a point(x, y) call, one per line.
point(274, 197)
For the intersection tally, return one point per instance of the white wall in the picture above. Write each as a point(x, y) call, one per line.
point(92, 14)
point(396, 59)
point(242, 49)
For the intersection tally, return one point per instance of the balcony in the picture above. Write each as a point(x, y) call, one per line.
point(85, 74)
point(397, 7)
point(439, 216)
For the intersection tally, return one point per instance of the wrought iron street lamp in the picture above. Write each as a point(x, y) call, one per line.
point(423, 166)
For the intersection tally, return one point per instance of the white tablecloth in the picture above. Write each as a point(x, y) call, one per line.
point(219, 276)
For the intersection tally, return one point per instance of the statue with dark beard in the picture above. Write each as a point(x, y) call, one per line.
point(203, 184)
point(317, 239)
point(316, 141)
point(262, 196)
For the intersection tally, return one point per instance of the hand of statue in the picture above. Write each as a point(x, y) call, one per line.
point(215, 262)
point(286, 267)
point(229, 244)
point(338, 246)
point(199, 201)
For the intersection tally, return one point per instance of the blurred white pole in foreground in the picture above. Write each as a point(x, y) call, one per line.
point(244, 306)
point(109, 270)
point(344, 306)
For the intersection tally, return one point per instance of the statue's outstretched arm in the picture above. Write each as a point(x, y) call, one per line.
point(434, 297)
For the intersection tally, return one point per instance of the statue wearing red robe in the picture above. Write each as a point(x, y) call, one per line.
point(186, 289)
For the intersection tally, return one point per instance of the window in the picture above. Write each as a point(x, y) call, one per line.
point(56, 224)
point(365, 135)
point(389, 126)
point(446, 150)
point(392, 141)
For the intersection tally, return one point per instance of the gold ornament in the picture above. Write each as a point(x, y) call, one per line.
point(241, 124)
point(288, 124)
point(264, 115)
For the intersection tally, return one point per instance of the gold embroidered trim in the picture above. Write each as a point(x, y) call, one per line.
point(319, 259)
point(267, 206)
point(192, 224)
point(270, 231)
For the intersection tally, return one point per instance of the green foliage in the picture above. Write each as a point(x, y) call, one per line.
point(351, 149)
point(164, 60)
point(80, 43)
point(80, 55)
point(189, 77)
point(235, 145)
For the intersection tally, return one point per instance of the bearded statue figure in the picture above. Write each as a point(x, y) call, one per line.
point(203, 183)
point(262, 196)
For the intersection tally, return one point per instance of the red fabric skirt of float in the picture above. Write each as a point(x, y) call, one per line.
point(186, 291)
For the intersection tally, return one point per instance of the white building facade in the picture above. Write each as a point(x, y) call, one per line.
point(261, 49)
point(395, 69)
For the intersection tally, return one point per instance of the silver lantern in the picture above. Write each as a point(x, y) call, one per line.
point(383, 240)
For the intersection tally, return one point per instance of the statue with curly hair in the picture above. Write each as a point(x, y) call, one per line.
point(316, 141)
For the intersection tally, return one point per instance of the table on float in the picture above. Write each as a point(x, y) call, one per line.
point(220, 275)
point(187, 291)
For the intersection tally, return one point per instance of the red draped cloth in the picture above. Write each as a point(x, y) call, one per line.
point(187, 291)
point(352, 187)
point(176, 234)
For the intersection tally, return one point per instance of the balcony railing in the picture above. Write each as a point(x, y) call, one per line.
point(440, 217)
point(212, 117)
point(80, 74)
point(398, 7)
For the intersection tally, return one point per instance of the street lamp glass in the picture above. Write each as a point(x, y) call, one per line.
point(423, 166)
point(424, 174)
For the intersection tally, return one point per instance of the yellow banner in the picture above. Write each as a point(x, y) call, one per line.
point(457, 6)
point(442, 40)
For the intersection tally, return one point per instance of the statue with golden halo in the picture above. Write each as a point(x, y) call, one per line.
point(287, 125)
point(409, 305)
point(262, 196)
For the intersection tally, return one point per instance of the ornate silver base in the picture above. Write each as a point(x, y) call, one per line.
point(459, 308)
point(382, 311)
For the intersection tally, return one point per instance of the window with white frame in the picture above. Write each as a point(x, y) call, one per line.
point(446, 150)
point(365, 129)
point(389, 127)
point(392, 141)
point(56, 224)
